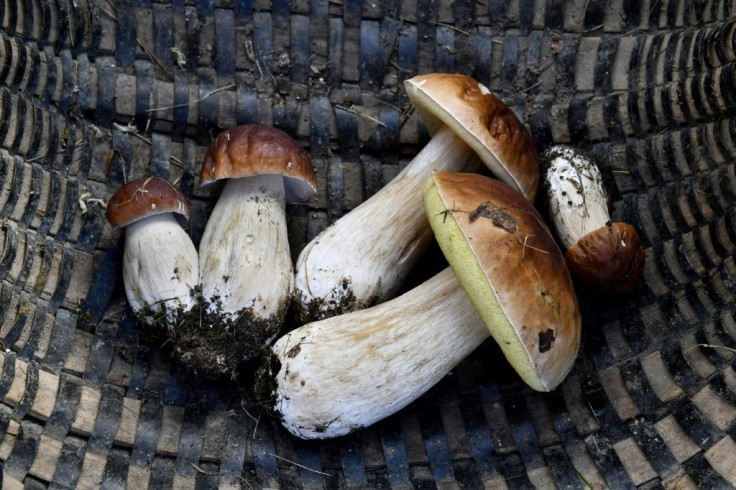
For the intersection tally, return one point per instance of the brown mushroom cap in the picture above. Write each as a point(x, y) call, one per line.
point(511, 269)
point(610, 259)
point(485, 123)
point(144, 197)
point(254, 149)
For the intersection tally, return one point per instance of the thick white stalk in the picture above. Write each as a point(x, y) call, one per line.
point(160, 267)
point(333, 376)
point(574, 187)
point(364, 257)
point(244, 259)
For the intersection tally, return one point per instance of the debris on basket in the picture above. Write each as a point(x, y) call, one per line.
point(333, 376)
point(88, 198)
point(604, 255)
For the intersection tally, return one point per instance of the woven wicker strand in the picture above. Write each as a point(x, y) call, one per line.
point(94, 93)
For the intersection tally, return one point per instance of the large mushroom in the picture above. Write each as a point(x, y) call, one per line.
point(603, 255)
point(365, 256)
point(336, 375)
point(160, 264)
point(245, 264)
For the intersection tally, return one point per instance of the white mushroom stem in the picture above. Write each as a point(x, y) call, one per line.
point(347, 372)
point(577, 201)
point(160, 267)
point(364, 257)
point(244, 256)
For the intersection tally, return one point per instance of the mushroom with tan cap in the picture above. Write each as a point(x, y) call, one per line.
point(604, 255)
point(364, 257)
point(333, 376)
point(245, 265)
point(160, 264)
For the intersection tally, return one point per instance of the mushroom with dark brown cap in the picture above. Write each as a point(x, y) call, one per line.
point(160, 264)
point(365, 256)
point(604, 255)
point(245, 265)
point(333, 376)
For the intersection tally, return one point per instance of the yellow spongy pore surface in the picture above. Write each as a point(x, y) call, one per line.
point(476, 284)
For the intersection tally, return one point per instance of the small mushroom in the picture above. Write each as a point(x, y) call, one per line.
point(365, 256)
point(160, 265)
point(245, 265)
point(606, 256)
point(333, 376)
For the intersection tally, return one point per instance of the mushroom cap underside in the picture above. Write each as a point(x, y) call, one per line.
point(511, 268)
point(483, 121)
point(144, 197)
point(254, 149)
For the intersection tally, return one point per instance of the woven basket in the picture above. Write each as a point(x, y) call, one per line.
point(95, 93)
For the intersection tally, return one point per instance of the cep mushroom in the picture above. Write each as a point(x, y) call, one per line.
point(245, 265)
point(603, 255)
point(365, 256)
point(333, 376)
point(160, 264)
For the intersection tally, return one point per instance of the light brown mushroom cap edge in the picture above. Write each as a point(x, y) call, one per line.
point(483, 121)
point(255, 149)
point(512, 270)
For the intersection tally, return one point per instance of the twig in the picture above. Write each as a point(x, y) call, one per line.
point(71, 30)
point(396, 65)
point(297, 464)
point(585, 482)
point(107, 12)
point(257, 420)
point(208, 94)
point(260, 70)
point(454, 28)
point(46, 155)
point(155, 58)
point(200, 470)
point(132, 130)
point(353, 111)
point(530, 87)
point(711, 346)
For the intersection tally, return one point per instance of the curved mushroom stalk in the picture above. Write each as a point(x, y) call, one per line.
point(607, 256)
point(364, 257)
point(245, 264)
point(331, 377)
point(160, 268)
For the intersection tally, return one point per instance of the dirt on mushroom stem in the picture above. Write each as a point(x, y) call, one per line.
point(341, 300)
point(205, 345)
point(265, 387)
point(265, 383)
